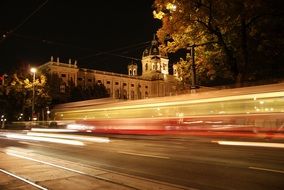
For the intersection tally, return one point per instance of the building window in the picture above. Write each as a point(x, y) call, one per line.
point(89, 80)
point(108, 91)
point(130, 72)
point(132, 85)
point(124, 84)
point(63, 75)
point(132, 95)
point(146, 67)
point(146, 86)
point(124, 94)
point(62, 88)
point(108, 82)
point(146, 94)
point(117, 93)
point(80, 79)
point(154, 66)
point(99, 82)
point(116, 83)
point(134, 72)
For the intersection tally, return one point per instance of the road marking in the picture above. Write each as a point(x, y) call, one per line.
point(43, 162)
point(25, 180)
point(257, 144)
point(145, 155)
point(266, 169)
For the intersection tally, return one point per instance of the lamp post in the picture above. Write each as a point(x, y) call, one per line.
point(191, 53)
point(33, 70)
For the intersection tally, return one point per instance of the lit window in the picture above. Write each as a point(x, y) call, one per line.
point(62, 88)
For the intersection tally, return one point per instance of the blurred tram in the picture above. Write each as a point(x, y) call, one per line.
point(253, 109)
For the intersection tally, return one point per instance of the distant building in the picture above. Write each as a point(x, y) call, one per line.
point(155, 80)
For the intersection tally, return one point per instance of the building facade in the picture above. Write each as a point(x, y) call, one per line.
point(155, 80)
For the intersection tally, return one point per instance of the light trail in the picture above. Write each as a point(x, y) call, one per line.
point(266, 169)
point(144, 155)
point(44, 162)
point(77, 137)
point(53, 130)
point(45, 139)
point(22, 179)
point(256, 144)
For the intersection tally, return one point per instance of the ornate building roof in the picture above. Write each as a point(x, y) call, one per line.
point(153, 49)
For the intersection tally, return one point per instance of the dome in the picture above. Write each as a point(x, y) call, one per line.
point(153, 49)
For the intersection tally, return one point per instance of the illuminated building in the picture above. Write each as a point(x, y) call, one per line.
point(155, 80)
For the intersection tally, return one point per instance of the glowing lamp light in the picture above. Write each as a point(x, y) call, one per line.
point(33, 70)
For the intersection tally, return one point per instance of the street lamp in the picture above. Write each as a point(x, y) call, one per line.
point(33, 70)
point(191, 53)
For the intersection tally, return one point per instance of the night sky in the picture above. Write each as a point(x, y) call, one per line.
point(75, 29)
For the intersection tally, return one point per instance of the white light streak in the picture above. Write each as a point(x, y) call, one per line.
point(80, 127)
point(77, 137)
point(266, 169)
point(44, 139)
point(256, 144)
point(26, 181)
point(53, 130)
point(192, 122)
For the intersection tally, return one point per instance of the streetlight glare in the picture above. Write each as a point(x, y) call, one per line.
point(33, 70)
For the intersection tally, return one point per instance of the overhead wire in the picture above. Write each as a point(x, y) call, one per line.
point(5, 36)
point(97, 52)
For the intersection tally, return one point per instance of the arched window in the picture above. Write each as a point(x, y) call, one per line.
point(130, 72)
point(146, 66)
point(134, 71)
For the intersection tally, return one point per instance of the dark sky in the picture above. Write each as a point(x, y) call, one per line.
point(76, 30)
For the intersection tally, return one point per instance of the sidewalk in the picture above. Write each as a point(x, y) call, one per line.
point(50, 173)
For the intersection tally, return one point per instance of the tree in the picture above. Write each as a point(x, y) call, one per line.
point(225, 30)
point(19, 95)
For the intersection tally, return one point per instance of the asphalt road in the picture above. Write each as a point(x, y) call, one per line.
point(195, 162)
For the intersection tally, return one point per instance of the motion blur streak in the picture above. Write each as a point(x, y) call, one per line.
point(23, 179)
point(266, 169)
point(53, 140)
point(252, 109)
point(43, 162)
point(52, 130)
point(257, 144)
point(77, 137)
point(144, 155)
